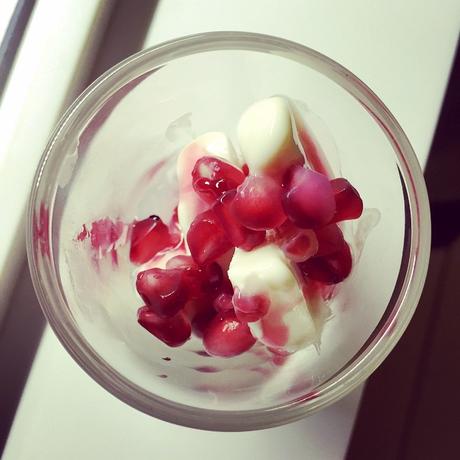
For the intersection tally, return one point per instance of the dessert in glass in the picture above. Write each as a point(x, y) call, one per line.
point(228, 231)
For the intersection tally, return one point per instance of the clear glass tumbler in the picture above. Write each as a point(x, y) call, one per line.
point(110, 160)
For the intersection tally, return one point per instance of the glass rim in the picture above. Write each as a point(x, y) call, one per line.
point(50, 293)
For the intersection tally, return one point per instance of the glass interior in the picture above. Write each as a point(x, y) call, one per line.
point(117, 162)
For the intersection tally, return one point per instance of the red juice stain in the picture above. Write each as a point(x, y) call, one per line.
point(274, 330)
point(84, 233)
point(314, 155)
point(262, 371)
point(279, 356)
point(206, 369)
point(103, 235)
point(40, 231)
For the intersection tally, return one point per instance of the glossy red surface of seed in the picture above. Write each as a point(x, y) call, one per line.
point(329, 269)
point(226, 336)
point(309, 199)
point(349, 204)
point(174, 331)
point(257, 204)
point(239, 235)
point(207, 239)
point(250, 308)
point(163, 291)
point(223, 302)
point(149, 237)
point(330, 239)
point(300, 246)
point(211, 177)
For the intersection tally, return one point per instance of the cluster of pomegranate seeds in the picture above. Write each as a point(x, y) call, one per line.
point(193, 293)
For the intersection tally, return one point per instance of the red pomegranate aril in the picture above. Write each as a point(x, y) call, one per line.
point(330, 269)
point(191, 274)
point(240, 236)
point(201, 322)
point(149, 237)
point(227, 336)
point(330, 239)
point(253, 238)
point(163, 291)
point(207, 239)
point(223, 302)
point(257, 204)
point(181, 261)
point(250, 308)
point(349, 204)
point(301, 246)
point(309, 198)
point(199, 312)
point(174, 331)
point(211, 177)
point(213, 277)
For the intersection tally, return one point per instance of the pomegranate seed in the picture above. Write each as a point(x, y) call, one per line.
point(226, 336)
point(283, 232)
point(257, 204)
point(301, 246)
point(309, 201)
point(212, 177)
point(239, 235)
point(245, 169)
point(199, 312)
point(163, 291)
point(207, 239)
point(216, 282)
point(149, 237)
point(349, 204)
point(223, 302)
point(213, 277)
point(330, 240)
point(181, 261)
point(192, 275)
point(250, 308)
point(298, 244)
point(174, 331)
point(330, 269)
point(253, 239)
point(201, 322)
